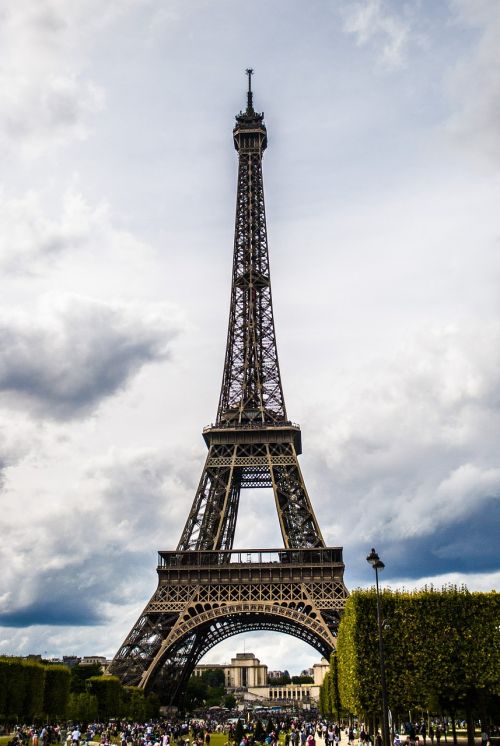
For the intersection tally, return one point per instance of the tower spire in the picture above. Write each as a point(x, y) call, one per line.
point(249, 72)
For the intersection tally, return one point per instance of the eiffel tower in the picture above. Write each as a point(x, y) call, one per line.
point(208, 591)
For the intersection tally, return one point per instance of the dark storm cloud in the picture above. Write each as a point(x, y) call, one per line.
point(77, 612)
point(466, 546)
point(65, 365)
point(74, 593)
point(84, 560)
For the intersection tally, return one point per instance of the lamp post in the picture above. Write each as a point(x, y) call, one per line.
point(377, 565)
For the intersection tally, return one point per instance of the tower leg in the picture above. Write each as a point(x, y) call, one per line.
point(212, 519)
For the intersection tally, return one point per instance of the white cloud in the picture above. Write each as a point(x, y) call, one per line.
point(30, 240)
point(474, 82)
point(77, 353)
point(271, 648)
point(414, 450)
point(371, 22)
point(48, 98)
point(474, 582)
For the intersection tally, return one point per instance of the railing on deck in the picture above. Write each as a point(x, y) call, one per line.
point(229, 425)
point(321, 556)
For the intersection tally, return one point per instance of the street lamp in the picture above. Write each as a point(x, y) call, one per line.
point(377, 565)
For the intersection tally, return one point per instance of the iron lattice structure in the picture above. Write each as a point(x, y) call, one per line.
point(206, 590)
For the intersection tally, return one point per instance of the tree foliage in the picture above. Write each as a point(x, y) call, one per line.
point(35, 683)
point(214, 677)
point(239, 731)
point(229, 701)
point(259, 733)
point(440, 647)
point(325, 696)
point(56, 691)
point(30, 691)
point(335, 701)
point(107, 690)
point(200, 691)
point(82, 707)
point(15, 690)
point(22, 685)
point(80, 674)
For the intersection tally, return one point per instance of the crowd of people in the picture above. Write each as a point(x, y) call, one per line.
point(198, 732)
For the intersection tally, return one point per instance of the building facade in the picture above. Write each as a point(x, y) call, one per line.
point(250, 681)
point(245, 670)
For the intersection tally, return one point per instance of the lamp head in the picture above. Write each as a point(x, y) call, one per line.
point(374, 560)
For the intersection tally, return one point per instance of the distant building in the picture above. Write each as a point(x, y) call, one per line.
point(275, 674)
point(250, 681)
point(319, 671)
point(244, 670)
point(284, 694)
point(90, 660)
point(70, 660)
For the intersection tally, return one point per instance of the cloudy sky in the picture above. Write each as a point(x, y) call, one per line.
point(117, 193)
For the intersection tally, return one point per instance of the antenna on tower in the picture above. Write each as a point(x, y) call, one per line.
point(249, 72)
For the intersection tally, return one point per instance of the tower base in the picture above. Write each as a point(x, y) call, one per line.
point(205, 597)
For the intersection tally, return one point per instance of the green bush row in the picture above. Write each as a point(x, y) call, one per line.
point(442, 655)
point(31, 691)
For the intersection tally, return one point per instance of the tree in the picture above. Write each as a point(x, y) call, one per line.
point(107, 690)
point(82, 708)
point(34, 687)
point(441, 647)
point(56, 691)
point(259, 733)
point(80, 674)
point(335, 701)
point(196, 693)
point(214, 677)
point(239, 731)
point(230, 702)
point(325, 697)
point(134, 704)
point(15, 692)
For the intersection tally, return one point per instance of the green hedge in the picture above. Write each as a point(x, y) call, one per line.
point(442, 651)
point(22, 685)
point(30, 691)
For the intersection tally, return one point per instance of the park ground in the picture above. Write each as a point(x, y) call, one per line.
point(220, 739)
